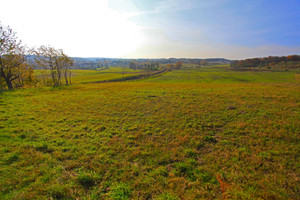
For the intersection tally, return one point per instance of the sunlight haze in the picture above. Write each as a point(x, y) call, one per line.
point(157, 29)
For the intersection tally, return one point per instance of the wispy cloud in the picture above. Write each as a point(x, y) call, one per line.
point(174, 5)
point(164, 6)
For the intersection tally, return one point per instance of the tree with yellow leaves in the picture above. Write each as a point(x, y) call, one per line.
point(13, 67)
point(56, 61)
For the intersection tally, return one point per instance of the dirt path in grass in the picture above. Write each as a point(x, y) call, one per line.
point(132, 78)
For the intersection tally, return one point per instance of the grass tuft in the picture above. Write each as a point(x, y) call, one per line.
point(87, 180)
point(120, 191)
point(12, 158)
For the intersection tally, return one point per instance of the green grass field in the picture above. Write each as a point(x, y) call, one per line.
point(223, 75)
point(90, 76)
point(201, 134)
point(120, 70)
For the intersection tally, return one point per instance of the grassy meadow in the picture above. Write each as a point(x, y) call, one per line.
point(223, 74)
point(91, 76)
point(208, 133)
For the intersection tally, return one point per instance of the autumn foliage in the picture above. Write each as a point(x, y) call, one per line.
point(56, 61)
point(291, 61)
point(14, 69)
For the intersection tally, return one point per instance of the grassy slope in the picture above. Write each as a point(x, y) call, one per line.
point(151, 140)
point(223, 75)
point(88, 76)
point(120, 69)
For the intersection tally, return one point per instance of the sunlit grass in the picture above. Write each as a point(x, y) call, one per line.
point(150, 140)
point(223, 75)
point(153, 140)
point(88, 76)
point(120, 70)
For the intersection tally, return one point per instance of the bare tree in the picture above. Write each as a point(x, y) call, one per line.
point(46, 57)
point(65, 63)
point(12, 57)
point(56, 61)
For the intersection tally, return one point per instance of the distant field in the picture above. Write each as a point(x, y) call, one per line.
point(220, 74)
point(88, 76)
point(208, 74)
point(151, 141)
point(120, 69)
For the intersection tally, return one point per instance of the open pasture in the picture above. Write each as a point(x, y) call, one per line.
point(222, 74)
point(79, 76)
point(88, 76)
point(136, 140)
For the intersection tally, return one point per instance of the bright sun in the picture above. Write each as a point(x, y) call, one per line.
point(113, 35)
point(81, 28)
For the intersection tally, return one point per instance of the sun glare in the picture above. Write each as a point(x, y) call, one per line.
point(113, 35)
point(82, 28)
point(117, 36)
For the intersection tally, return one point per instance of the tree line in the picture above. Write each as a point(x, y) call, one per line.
point(16, 69)
point(154, 66)
point(291, 61)
point(177, 65)
point(148, 66)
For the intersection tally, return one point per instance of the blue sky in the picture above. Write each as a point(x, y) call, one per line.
point(233, 29)
point(247, 26)
point(233, 22)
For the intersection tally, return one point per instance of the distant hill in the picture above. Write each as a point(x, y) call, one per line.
point(102, 62)
point(99, 62)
